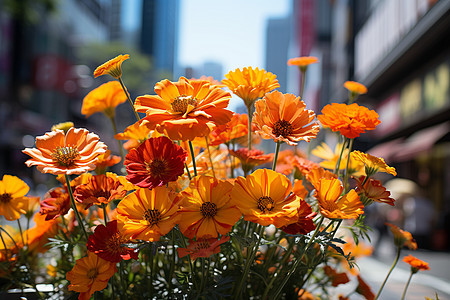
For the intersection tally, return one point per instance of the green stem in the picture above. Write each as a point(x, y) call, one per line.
point(105, 217)
point(303, 75)
point(193, 157)
point(298, 261)
point(74, 206)
point(172, 263)
point(187, 171)
point(250, 258)
point(191, 267)
point(210, 158)
point(275, 158)
point(399, 249)
point(350, 146)
point(338, 163)
point(129, 99)
point(407, 285)
point(250, 116)
point(21, 232)
point(122, 280)
point(113, 122)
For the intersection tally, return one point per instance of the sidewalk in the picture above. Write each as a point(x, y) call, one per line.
point(423, 284)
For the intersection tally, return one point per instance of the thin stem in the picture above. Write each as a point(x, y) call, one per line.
point(248, 262)
point(129, 99)
point(105, 215)
point(209, 154)
point(407, 285)
point(275, 158)
point(193, 157)
point(4, 245)
point(297, 262)
point(172, 263)
point(350, 146)
point(122, 281)
point(191, 267)
point(399, 249)
point(21, 232)
point(113, 122)
point(302, 80)
point(338, 163)
point(74, 206)
point(250, 116)
point(187, 171)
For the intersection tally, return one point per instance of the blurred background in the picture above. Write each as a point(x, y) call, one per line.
point(398, 49)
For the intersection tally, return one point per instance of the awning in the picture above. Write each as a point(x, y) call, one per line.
point(387, 150)
point(420, 142)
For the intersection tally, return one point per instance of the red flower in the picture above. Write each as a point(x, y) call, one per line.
point(335, 277)
point(155, 162)
point(251, 158)
point(305, 223)
point(373, 190)
point(100, 189)
point(107, 242)
point(364, 289)
point(56, 204)
point(416, 264)
point(202, 247)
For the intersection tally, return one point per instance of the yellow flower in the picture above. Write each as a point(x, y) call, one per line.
point(332, 205)
point(65, 126)
point(104, 99)
point(12, 197)
point(265, 197)
point(331, 158)
point(250, 84)
point(206, 210)
point(355, 87)
point(112, 67)
point(136, 134)
point(373, 164)
point(148, 214)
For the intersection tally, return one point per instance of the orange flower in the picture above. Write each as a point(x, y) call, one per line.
point(303, 165)
point(100, 190)
point(148, 214)
point(364, 289)
point(335, 277)
point(331, 158)
point(303, 61)
point(236, 128)
point(12, 197)
point(58, 153)
point(251, 158)
point(264, 198)
point(184, 110)
point(250, 84)
point(202, 247)
point(299, 189)
point(112, 67)
point(90, 274)
point(350, 120)
point(284, 118)
point(103, 99)
point(284, 164)
point(305, 295)
point(416, 264)
point(373, 164)
point(332, 205)
point(316, 174)
point(106, 160)
point(304, 220)
point(402, 238)
point(373, 190)
point(38, 236)
point(136, 134)
point(56, 203)
point(210, 79)
point(355, 87)
point(206, 209)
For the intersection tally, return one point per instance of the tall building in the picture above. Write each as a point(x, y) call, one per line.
point(278, 33)
point(159, 32)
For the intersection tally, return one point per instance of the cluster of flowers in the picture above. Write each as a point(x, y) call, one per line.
point(180, 196)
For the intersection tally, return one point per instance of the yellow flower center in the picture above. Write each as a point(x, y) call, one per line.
point(5, 198)
point(157, 168)
point(180, 104)
point(65, 156)
point(282, 128)
point(208, 209)
point(92, 273)
point(265, 204)
point(331, 206)
point(153, 216)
